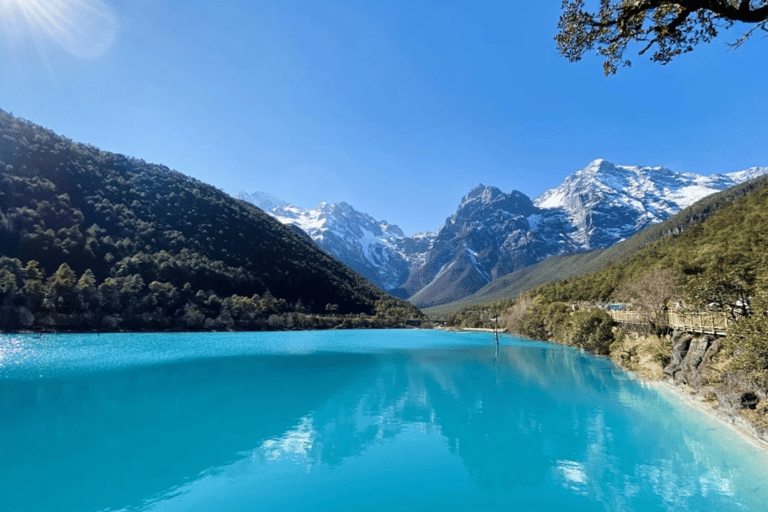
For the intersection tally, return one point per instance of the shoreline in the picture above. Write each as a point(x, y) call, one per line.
point(693, 399)
point(680, 392)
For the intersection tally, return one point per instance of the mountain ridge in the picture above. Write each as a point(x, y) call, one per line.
point(571, 266)
point(593, 208)
point(492, 233)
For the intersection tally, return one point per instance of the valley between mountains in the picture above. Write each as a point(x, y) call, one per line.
point(493, 233)
point(92, 240)
point(667, 246)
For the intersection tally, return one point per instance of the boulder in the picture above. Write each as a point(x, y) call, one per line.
point(691, 369)
point(680, 344)
point(740, 380)
point(714, 348)
point(737, 399)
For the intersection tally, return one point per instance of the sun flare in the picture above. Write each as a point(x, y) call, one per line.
point(83, 28)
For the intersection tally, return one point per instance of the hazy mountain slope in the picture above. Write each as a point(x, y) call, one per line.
point(135, 223)
point(261, 199)
point(511, 285)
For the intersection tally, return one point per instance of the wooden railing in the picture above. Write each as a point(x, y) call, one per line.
point(628, 317)
point(708, 323)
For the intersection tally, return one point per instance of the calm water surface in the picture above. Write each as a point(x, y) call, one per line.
point(354, 420)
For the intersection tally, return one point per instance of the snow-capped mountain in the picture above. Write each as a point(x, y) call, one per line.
point(266, 202)
point(490, 235)
point(377, 250)
point(493, 233)
point(606, 203)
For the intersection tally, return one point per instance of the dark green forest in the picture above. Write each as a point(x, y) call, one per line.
point(92, 240)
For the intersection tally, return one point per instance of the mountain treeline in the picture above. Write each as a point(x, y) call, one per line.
point(100, 241)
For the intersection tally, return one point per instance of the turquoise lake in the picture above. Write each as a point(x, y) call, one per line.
point(351, 421)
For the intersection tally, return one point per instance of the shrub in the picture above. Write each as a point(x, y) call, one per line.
point(589, 330)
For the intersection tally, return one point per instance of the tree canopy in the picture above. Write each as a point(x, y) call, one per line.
point(671, 28)
point(91, 240)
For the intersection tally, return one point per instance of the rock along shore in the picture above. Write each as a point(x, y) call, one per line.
point(693, 373)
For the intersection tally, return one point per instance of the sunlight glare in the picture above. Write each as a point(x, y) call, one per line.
point(85, 29)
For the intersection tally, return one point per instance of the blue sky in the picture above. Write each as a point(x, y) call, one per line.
point(396, 107)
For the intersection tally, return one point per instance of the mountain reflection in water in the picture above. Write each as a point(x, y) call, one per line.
point(529, 426)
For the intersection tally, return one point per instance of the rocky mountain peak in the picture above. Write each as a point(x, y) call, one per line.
point(493, 233)
point(598, 165)
point(376, 249)
point(487, 200)
point(480, 193)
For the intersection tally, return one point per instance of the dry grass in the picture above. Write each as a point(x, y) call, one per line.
point(646, 355)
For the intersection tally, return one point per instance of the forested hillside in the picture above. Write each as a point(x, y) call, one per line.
point(726, 233)
point(96, 240)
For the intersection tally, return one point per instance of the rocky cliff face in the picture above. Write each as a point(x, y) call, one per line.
point(491, 234)
point(733, 395)
point(690, 359)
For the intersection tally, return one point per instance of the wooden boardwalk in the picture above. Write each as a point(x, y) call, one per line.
point(705, 323)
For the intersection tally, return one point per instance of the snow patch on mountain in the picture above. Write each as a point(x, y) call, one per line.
point(266, 202)
point(605, 203)
point(374, 248)
point(551, 199)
